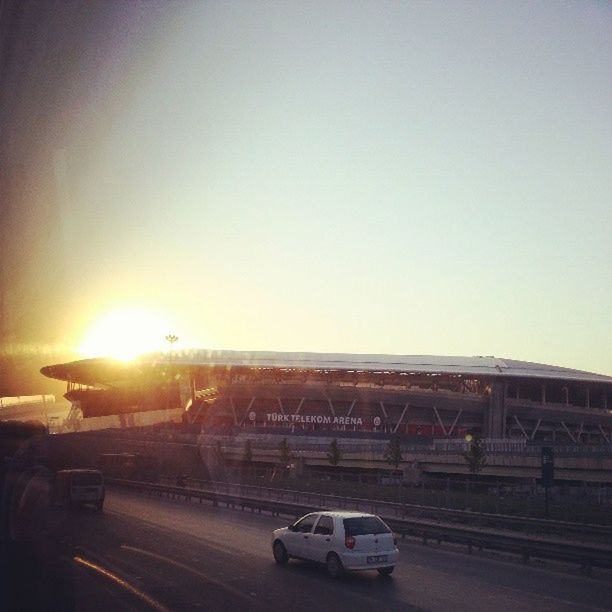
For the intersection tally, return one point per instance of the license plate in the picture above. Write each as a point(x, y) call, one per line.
point(377, 559)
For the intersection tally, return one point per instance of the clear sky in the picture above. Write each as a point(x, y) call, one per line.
point(387, 177)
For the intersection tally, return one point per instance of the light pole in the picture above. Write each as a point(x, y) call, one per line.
point(171, 339)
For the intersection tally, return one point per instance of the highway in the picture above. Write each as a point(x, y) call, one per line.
point(143, 554)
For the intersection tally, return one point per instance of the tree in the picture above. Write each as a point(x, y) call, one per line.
point(334, 456)
point(393, 452)
point(284, 453)
point(475, 456)
point(248, 452)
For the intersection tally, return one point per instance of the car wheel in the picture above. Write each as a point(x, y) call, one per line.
point(386, 571)
point(280, 552)
point(334, 565)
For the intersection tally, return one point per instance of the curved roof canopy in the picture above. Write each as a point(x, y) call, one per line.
point(109, 371)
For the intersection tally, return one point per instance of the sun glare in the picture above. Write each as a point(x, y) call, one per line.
point(126, 333)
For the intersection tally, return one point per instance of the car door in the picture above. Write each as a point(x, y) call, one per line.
point(298, 538)
point(321, 540)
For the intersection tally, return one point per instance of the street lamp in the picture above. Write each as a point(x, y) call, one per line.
point(171, 339)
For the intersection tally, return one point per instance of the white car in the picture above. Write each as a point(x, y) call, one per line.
point(340, 540)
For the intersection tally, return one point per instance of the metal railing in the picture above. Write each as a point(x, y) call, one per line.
point(377, 446)
point(536, 526)
point(294, 504)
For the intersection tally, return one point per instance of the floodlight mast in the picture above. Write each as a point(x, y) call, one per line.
point(171, 339)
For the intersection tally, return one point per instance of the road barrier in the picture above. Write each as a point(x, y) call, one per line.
point(582, 531)
point(587, 555)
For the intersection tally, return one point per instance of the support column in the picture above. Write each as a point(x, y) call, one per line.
point(452, 427)
point(231, 399)
point(192, 388)
point(440, 421)
point(248, 409)
point(569, 433)
point(535, 429)
point(520, 426)
point(401, 417)
point(505, 411)
point(493, 422)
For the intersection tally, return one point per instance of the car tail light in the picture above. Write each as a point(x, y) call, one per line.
point(349, 542)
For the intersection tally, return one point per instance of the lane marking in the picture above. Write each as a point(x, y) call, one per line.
point(363, 597)
point(261, 551)
point(407, 546)
point(520, 591)
point(576, 604)
point(238, 593)
point(173, 531)
point(187, 568)
point(121, 582)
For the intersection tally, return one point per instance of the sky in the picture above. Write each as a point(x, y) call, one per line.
point(368, 177)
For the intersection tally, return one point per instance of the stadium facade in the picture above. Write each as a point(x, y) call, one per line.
point(423, 396)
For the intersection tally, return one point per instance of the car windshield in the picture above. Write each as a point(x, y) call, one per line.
point(265, 261)
point(364, 525)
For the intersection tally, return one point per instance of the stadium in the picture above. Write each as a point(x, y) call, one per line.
point(419, 397)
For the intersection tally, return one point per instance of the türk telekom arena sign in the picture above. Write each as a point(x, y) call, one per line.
point(314, 419)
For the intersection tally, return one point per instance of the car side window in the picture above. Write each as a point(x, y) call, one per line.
point(325, 526)
point(305, 525)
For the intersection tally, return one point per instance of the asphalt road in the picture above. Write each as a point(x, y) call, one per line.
point(143, 554)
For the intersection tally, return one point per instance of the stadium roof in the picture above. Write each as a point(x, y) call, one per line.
point(108, 371)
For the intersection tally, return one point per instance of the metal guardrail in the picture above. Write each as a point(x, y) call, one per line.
point(263, 441)
point(602, 533)
point(586, 555)
point(377, 446)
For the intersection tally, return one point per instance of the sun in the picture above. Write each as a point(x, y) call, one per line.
point(126, 333)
